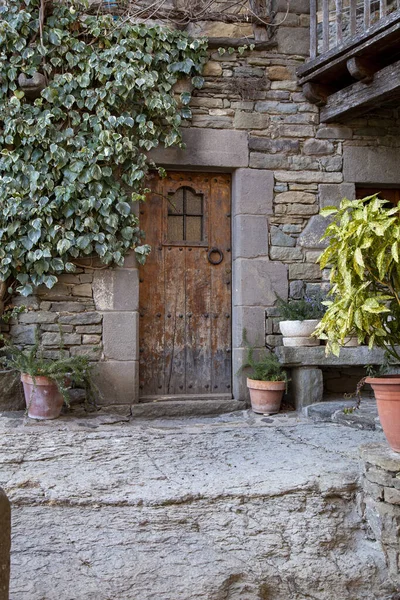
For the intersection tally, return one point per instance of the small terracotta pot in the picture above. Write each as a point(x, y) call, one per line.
point(266, 396)
point(42, 396)
point(387, 394)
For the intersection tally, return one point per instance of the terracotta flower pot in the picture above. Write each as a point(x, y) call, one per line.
point(266, 396)
point(387, 394)
point(42, 396)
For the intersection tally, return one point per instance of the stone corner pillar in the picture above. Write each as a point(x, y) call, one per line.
point(5, 545)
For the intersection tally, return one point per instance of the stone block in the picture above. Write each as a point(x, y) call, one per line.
point(11, 392)
point(331, 194)
point(219, 29)
point(89, 329)
point(282, 146)
point(293, 40)
point(305, 271)
point(295, 6)
point(308, 177)
point(285, 254)
point(335, 132)
point(307, 386)
point(212, 69)
point(54, 339)
point(313, 232)
point(371, 165)
point(296, 289)
point(117, 382)
point(278, 238)
point(67, 307)
point(23, 334)
point(257, 281)
point(318, 147)
point(84, 289)
point(5, 545)
point(253, 192)
point(57, 327)
point(250, 236)
point(278, 73)
point(260, 160)
point(32, 302)
point(93, 353)
point(120, 335)
point(250, 120)
point(251, 318)
point(87, 318)
point(380, 455)
point(206, 148)
point(295, 198)
point(392, 495)
point(116, 290)
point(278, 108)
point(38, 317)
point(302, 209)
point(91, 339)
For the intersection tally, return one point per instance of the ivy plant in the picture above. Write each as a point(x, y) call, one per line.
point(363, 253)
point(74, 154)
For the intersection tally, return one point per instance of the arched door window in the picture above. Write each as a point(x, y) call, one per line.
point(185, 216)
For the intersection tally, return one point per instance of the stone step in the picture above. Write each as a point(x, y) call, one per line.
point(185, 408)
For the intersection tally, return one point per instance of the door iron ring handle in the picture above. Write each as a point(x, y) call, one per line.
point(215, 251)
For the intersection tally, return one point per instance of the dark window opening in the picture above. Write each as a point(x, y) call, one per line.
point(185, 216)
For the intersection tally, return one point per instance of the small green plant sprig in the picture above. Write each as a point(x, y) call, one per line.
point(308, 307)
point(266, 368)
point(363, 253)
point(65, 370)
point(74, 157)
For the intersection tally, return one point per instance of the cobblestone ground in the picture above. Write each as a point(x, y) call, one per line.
point(223, 508)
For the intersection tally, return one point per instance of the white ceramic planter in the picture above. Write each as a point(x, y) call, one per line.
point(298, 329)
point(298, 333)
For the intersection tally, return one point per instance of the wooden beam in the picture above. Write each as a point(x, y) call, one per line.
point(361, 69)
point(358, 98)
point(316, 94)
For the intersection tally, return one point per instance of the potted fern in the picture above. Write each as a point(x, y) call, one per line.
point(299, 319)
point(364, 255)
point(267, 382)
point(46, 382)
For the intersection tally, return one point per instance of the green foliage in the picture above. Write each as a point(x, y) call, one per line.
point(363, 252)
point(266, 368)
point(64, 371)
point(309, 307)
point(73, 159)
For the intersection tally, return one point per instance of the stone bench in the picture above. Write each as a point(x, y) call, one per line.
point(306, 368)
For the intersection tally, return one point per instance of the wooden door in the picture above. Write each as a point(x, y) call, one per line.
point(185, 286)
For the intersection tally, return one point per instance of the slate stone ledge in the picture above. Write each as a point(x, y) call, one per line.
point(315, 356)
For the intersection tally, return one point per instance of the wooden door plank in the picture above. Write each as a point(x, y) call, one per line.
point(151, 298)
point(174, 323)
point(198, 297)
point(221, 284)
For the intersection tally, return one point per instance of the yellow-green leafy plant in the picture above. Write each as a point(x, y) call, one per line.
point(363, 253)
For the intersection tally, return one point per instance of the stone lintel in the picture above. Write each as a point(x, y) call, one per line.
point(227, 149)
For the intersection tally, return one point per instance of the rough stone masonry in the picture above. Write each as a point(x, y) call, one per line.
point(233, 507)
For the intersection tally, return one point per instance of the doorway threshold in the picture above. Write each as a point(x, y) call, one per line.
point(185, 405)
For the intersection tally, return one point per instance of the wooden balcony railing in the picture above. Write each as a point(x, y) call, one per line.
point(336, 22)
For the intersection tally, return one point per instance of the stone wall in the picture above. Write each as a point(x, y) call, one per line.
point(381, 501)
point(250, 119)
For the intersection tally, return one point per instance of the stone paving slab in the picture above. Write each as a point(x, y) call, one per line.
point(220, 508)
